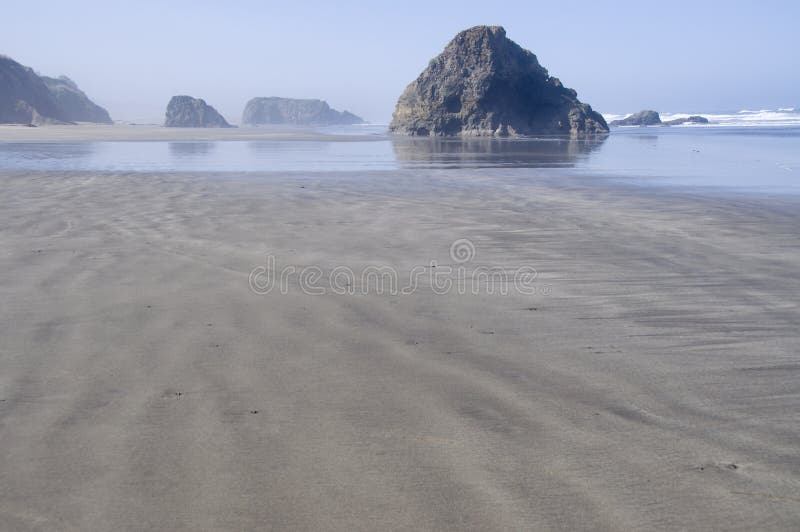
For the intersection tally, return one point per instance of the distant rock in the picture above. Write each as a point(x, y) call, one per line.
point(27, 98)
point(484, 84)
point(185, 111)
point(652, 118)
point(274, 110)
point(75, 106)
point(694, 119)
point(24, 96)
point(642, 118)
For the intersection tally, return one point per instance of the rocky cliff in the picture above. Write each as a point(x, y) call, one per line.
point(73, 102)
point(485, 84)
point(273, 110)
point(24, 97)
point(27, 98)
point(185, 111)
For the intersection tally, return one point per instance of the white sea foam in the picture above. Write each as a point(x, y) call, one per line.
point(609, 116)
point(786, 116)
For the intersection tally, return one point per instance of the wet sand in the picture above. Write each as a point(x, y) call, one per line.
point(651, 383)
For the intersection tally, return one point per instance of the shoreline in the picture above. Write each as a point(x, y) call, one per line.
point(151, 133)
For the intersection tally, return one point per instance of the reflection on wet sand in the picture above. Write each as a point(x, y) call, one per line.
point(551, 152)
point(190, 148)
point(271, 149)
point(46, 151)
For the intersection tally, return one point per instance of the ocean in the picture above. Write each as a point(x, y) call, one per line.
point(751, 156)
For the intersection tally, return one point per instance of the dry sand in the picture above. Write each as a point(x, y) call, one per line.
point(144, 386)
point(121, 132)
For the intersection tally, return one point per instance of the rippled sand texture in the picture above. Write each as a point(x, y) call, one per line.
point(144, 386)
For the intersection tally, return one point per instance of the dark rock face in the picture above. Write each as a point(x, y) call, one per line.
point(694, 119)
point(185, 111)
point(642, 118)
point(74, 104)
point(27, 98)
point(274, 110)
point(484, 84)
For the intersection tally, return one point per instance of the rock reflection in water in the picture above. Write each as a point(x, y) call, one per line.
point(545, 152)
point(190, 148)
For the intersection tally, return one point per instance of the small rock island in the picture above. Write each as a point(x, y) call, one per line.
point(485, 84)
point(297, 112)
point(185, 111)
point(649, 117)
point(694, 119)
point(642, 118)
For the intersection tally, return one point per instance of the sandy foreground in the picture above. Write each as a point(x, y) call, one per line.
point(651, 382)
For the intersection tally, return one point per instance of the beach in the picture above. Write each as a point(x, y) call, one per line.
point(157, 133)
point(649, 380)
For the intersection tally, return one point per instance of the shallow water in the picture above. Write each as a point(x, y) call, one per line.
point(760, 159)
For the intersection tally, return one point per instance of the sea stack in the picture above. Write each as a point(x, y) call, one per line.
point(185, 111)
point(296, 112)
point(693, 120)
point(647, 117)
point(484, 84)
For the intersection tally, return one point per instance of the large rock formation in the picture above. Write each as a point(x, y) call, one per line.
point(485, 84)
point(27, 98)
point(73, 102)
point(185, 111)
point(273, 110)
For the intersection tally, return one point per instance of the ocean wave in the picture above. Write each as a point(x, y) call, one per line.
point(610, 116)
point(785, 116)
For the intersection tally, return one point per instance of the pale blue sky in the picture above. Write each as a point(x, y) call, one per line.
point(620, 56)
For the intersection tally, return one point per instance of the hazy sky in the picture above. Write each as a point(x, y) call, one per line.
point(131, 57)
